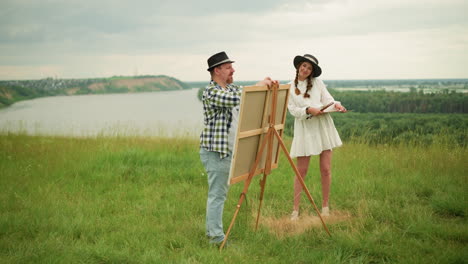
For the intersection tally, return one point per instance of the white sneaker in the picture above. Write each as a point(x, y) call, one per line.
point(295, 215)
point(325, 211)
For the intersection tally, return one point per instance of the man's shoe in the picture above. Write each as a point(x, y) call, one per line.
point(218, 244)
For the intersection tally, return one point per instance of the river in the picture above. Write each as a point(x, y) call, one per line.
point(165, 114)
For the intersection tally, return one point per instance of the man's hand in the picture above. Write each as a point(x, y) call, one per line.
point(267, 81)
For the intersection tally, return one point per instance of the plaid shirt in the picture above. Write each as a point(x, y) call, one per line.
point(217, 106)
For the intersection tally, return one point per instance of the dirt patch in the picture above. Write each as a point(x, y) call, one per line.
point(96, 86)
point(6, 94)
point(282, 227)
point(129, 83)
point(73, 90)
point(132, 83)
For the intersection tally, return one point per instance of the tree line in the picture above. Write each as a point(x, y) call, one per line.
point(387, 117)
point(398, 128)
point(398, 102)
point(415, 83)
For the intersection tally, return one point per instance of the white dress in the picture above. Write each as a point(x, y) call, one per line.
point(318, 133)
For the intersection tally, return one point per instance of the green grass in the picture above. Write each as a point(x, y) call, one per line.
point(142, 200)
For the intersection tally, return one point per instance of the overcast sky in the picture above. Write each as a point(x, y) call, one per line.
point(352, 39)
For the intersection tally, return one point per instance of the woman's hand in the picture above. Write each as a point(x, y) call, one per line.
point(340, 108)
point(314, 111)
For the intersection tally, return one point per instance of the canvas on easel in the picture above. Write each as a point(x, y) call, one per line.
point(258, 140)
point(253, 126)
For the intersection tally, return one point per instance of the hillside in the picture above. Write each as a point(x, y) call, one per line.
point(13, 91)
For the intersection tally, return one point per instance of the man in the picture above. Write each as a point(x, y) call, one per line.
point(221, 100)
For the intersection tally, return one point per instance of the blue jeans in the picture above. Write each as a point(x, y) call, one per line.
point(217, 170)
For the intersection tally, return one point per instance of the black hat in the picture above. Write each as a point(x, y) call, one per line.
point(309, 58)
point(218, 59)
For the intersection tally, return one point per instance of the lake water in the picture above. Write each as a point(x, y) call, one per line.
point(168, 114)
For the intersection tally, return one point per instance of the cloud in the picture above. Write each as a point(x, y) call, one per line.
point(79, 38)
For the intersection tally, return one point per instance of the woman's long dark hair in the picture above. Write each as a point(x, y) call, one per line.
point(309, 83)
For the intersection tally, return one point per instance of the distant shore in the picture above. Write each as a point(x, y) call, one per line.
point(18, 90)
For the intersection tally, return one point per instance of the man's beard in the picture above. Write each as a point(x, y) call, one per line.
point(230, 80)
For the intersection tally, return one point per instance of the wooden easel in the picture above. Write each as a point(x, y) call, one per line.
point(268, 139)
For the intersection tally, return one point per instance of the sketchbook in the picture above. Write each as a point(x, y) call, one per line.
point(326, 109)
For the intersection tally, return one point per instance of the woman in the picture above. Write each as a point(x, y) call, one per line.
point(314, 130)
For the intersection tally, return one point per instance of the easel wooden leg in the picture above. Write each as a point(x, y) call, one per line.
point(232, 221)
point(262, 191)
point(246, 187)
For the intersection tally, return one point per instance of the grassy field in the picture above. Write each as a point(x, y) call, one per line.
point(142, 200)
